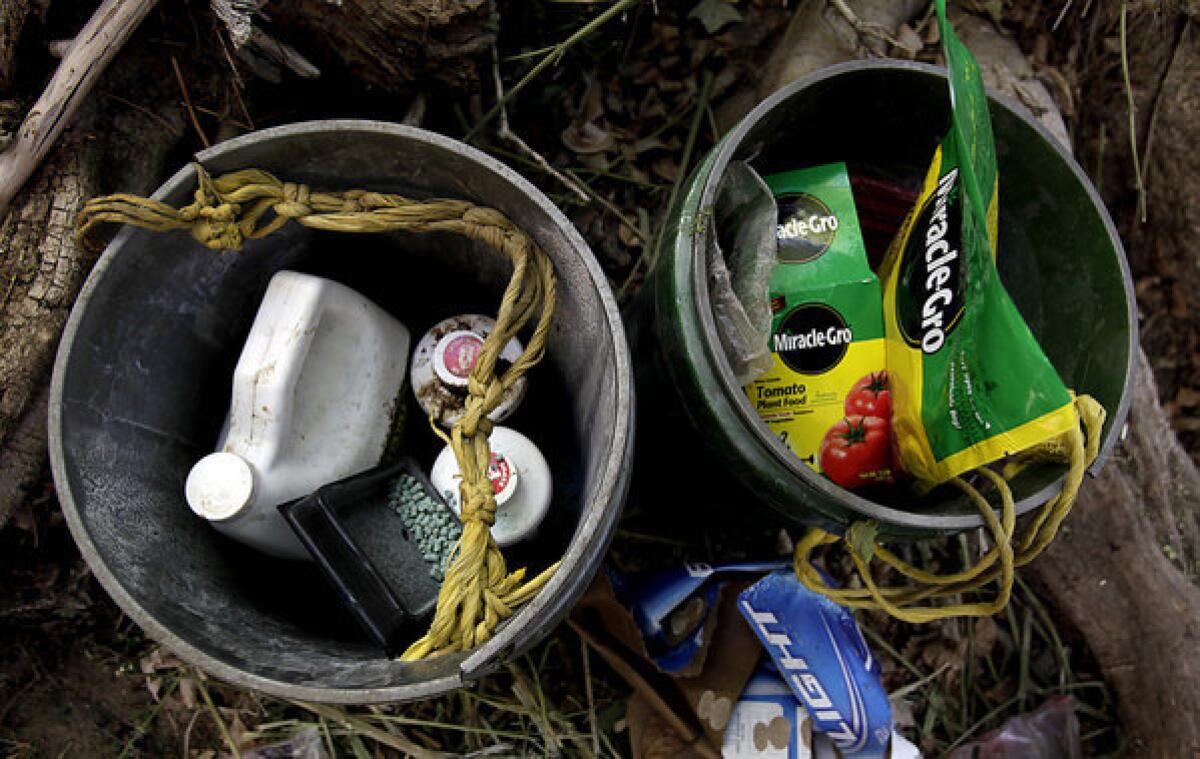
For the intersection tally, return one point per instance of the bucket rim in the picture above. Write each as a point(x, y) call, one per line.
point(783, 456)
point(535, 618)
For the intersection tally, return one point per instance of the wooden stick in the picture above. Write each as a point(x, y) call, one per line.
point(99, 40)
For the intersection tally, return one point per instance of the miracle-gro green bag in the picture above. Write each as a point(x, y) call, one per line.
point(970, 384)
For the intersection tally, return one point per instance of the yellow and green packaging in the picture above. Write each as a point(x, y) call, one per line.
point(970, 384)
point(827, 325)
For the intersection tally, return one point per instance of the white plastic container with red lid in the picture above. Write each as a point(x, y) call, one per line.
point(442, 364)
point(520, 479)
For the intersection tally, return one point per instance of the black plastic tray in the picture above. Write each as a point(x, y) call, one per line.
point(367, 554)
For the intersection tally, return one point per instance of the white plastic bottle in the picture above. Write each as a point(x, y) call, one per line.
point(313, 397)
point(520, 479)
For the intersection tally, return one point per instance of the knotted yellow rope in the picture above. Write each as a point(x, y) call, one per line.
point(1008, 549)
point(478, 591)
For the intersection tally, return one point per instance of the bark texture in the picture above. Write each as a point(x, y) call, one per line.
point(1117, 574)
point(13, 15)
point(818, 36)
point(110, 146)
point(1164, 54)
point(82, 66)
point(395, 47)
point(1125, 571)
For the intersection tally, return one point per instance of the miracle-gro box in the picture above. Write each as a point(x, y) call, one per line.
point(827, 325)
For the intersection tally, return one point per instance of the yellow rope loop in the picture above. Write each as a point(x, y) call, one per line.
point(1007, 552)
point(478, 592)
point(294, 204)
point(478, 502)
point(353, 201)
point(484, 398)
point(217, 227)
point(488, 218)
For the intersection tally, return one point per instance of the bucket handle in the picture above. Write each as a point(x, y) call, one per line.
point(1007, 552)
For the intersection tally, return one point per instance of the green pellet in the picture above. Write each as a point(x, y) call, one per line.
point(433, 529)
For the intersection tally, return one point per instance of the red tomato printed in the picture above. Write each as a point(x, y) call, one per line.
point(870, 396)
point(857, 451)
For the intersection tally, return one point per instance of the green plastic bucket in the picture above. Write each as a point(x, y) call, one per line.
point(1059, 257)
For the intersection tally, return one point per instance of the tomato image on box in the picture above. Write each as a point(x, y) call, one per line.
point(827, 395)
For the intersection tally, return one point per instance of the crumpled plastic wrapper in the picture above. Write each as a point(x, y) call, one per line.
point(741, 259)
point(1050, 731)
point(306, 744)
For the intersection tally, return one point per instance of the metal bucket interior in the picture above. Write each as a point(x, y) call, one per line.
point(142, 382)
point(1059, 256)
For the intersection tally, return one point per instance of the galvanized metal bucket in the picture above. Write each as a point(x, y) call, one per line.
point(141, 385)
point(1060, 258)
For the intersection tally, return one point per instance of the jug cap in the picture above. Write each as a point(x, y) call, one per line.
point(442, 362)
point(455, 356)
point(504, 477)
point(220, 486)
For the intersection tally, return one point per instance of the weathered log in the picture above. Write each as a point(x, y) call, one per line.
point(99, 40)
point(13, 15)
point(111, 146)
point(1124, 573)
point(820, 35)
point(393, 47)
point(1163, 50)
point(1114, 575)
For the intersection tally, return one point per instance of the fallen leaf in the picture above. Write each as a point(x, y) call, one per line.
point(591, 106)
point(1002, 691)
point(1041, 47)
point(942, 655)
point(648, 143)
point(931, 33)
point(861, 539)
point(666, 168)
point(784, 545)
point(1187, 397)
point(909, 43)
point(902, 713)
point(628, 236)
point(995, 9)
point(985, 637)
point(23, 519)
point(1188, 423)
point(187, 692)
point(715, 15)
point(587, 138)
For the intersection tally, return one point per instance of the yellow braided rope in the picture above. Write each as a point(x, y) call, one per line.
point(478, 591)
point(1008, 549)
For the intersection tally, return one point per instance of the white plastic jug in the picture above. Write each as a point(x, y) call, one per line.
point(313, 397)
